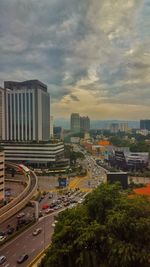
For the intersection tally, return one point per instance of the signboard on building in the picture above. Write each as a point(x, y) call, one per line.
point(62, 182)
point(121, 177)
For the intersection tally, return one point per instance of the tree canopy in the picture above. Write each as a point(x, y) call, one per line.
point(108, 229)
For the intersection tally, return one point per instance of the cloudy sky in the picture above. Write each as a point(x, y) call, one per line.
point(94, 55)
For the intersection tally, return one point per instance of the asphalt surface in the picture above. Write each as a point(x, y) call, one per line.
point(29, 244)
point(26, 243)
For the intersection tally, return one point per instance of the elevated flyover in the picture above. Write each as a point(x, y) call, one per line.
point(21, 200)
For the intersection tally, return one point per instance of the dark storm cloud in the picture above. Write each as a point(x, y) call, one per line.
point(74, 98)
point(98, 46)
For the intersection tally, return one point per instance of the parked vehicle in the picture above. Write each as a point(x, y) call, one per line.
point(10, 230)
point(49, 211)
point(2, 259)
point(20, 215)
point(45, 206)
point(2, 233)
point(22, 258)
point(2, 238)
point(37, 231)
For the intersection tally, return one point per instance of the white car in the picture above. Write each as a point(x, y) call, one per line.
point(20, 215)
point(2, 238)
point(54, 223)
point(2, 259)
point(37, 231)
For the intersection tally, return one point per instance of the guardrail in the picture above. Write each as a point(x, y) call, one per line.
point(18, 203)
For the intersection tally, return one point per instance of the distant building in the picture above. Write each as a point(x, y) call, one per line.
point(144, 132)
point(51, 126)
point(123, 127)
point(86, 136)
point(145, 125)
point(2, 117)
point(27, 111)
point(2, 174)
point(85, 124)
point(75, 140)
point(131, 160)
point(58, 132)
point(75, 122)
point(114, 128)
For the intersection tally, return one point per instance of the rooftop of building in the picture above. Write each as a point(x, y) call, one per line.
point(13, 85)
point(51, 141)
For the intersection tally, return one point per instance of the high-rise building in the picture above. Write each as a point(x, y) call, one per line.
point(2, 170)
point(2, 118)
point(123, 127)
point(75, 122)
point(27, 111)
point(51, 126)
point(145, 125)
point(114, 127)
point(58, 132)
point(84, 124)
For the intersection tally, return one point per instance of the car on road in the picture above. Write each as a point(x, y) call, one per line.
point(10, 230)
point(54, 223)
point(37, 231)
point(2, 238)
point(2, 233)
point(22, 258)
point(45, 206)
point(40, 214)
point(20, 215)
point(2, 259)
point(49, 211)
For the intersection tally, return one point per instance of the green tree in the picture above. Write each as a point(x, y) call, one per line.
point(108, 229)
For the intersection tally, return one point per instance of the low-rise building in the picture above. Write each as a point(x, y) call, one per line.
point(38, 155)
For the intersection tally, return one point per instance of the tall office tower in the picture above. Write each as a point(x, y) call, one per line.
point(85, 124)
point(2, 171)
point(145, 125)
point(114, 127)
point(27, 111)
point(75, 122)
point(51, 126)
point(123, 127)
point(58, 132)
point(2, 119)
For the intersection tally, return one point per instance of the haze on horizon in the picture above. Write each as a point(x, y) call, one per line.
point(93, 55)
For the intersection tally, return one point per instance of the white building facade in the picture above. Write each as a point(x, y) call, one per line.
point(41, 154)
point(27, 111)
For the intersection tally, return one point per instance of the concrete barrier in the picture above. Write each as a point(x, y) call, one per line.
point(10, 210)
point(17, 199)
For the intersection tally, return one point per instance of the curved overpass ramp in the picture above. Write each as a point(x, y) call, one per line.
point(21, 200)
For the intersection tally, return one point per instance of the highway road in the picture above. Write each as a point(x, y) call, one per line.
point(27, 243)
point(32, 245)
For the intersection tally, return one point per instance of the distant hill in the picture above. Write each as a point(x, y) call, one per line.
point(96, 124)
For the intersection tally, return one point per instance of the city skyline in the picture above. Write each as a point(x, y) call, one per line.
point(94, 56)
